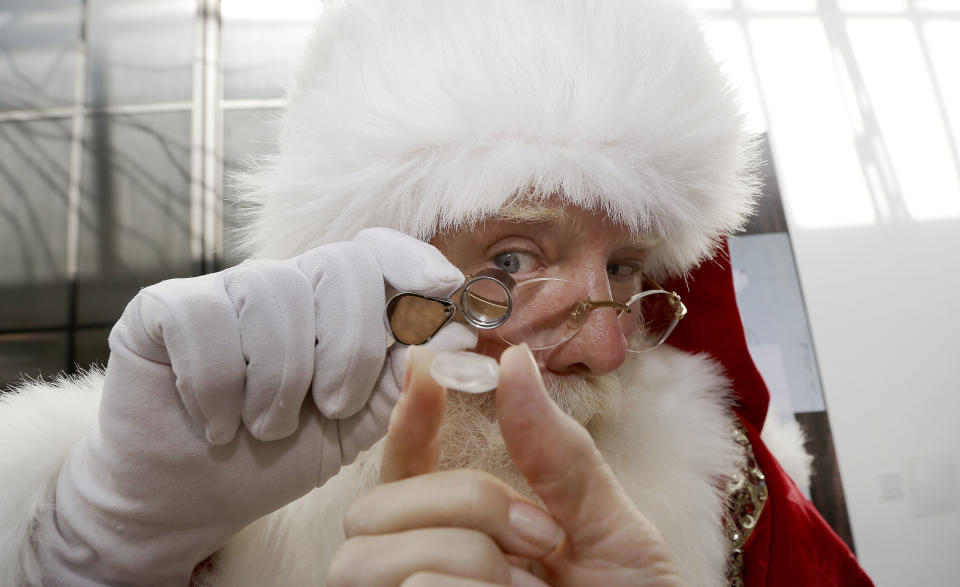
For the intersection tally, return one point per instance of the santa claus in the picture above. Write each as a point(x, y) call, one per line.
point(591, 150)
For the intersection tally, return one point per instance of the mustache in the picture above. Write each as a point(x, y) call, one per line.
point(583, 397)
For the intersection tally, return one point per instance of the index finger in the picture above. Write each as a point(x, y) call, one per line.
point(412, 445)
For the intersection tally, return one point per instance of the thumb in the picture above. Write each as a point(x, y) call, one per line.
point(556, 455)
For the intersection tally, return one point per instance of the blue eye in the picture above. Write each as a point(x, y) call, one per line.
point(509, 262)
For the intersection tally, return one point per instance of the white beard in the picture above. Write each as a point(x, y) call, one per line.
point(470, 435)
point(666, 435)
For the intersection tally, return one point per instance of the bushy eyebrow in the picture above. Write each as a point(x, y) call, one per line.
point(645, 241)
point(526, 211)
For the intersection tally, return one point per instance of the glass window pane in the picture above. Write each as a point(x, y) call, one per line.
point(705, 5)
point(780, 5)
point(936, 5)
point(810, 131)
point(260, 43)
point(141, 51)
point(90, 347)
point(897, 84)
point(31, 354)
point(34, 176)
point(942, 38)
point(873, 6)
point(135, 209)
point(246, 134)
point(38, 53)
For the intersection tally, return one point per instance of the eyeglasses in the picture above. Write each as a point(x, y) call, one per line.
point(542, 312)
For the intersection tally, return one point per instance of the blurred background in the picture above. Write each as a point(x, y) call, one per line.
point(121, 121)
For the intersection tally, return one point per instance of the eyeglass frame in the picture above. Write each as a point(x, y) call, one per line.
point(451, 308)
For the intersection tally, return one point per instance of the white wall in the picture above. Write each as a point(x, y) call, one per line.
point(879, 300)
point(861, 100)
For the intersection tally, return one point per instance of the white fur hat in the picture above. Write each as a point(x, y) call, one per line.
point(422, 115)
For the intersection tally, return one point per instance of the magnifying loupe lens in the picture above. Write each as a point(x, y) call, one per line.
point(414, 318)
point(485, 302)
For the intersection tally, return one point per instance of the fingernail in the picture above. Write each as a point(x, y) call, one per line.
point(533, 360)
point(421, 358)
point(535, 526)
point(534, 368)
point(524, 350)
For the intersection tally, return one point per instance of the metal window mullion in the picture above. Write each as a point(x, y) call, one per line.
point(936, 85)
point(205, 160)
point(112, 110)
point(213, 139)
point(74, 189)
point(76, 149)
point(196, 140)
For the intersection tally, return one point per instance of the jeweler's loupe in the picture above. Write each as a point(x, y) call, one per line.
point(484, 302)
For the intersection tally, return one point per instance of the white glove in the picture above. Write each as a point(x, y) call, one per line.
point(166, 479)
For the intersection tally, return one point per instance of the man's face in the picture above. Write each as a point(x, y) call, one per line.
point(568, 242)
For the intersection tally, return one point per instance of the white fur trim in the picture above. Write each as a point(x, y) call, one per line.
point(785, 440)
point(39, 425)
point(669, 444)
point(421, 115)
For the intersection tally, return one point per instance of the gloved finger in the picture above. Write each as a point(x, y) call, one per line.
point(409, 264)
point(348, 292)
point(197, 323)
point(452, 337)
point(274, 303)
point(360, 431)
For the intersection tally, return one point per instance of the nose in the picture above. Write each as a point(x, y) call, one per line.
point(599, 347)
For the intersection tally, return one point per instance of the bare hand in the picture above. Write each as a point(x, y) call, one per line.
point(423, 527)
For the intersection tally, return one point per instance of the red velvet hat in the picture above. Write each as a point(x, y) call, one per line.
point(713, 326)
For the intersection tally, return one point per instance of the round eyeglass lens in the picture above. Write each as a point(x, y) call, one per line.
point(651, 317)
point(546, 312)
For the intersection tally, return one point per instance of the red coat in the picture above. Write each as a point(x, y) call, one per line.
point(791, 543)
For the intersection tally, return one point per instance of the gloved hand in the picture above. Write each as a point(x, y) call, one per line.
point(169, 474)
